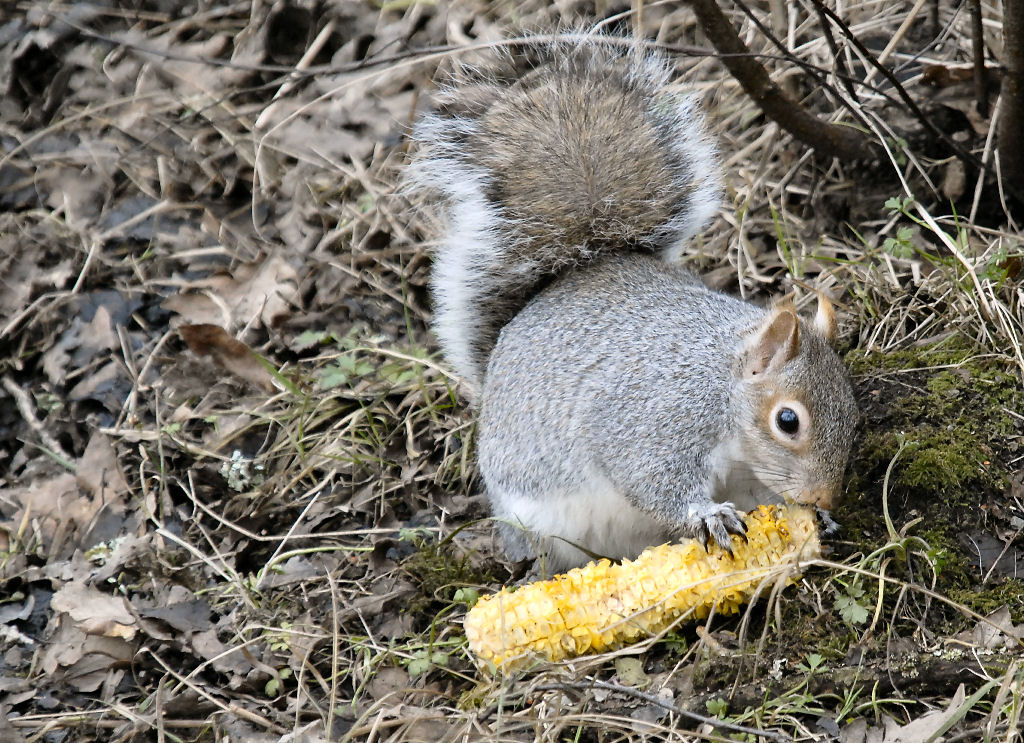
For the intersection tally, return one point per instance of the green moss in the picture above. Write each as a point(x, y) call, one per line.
point(950, 463)
point(1009, 593)
point(438, 573)
point(954, 351)
point(953, 409)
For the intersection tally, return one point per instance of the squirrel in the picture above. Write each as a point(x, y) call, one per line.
point(621, 403)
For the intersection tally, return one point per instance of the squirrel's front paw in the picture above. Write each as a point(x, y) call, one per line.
point(718, 521)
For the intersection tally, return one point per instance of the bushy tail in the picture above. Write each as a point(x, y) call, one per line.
point(547, 159)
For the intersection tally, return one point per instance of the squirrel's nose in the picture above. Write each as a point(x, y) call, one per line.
point(822, 497)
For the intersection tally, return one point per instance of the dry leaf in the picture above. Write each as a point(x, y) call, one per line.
point(229, 353)
point(93, 612)
point(54, 506)
point(229, 661)
point(995, 632)
point(266, 291)
point(187, 616)
point(84, 661)
point(99, 472)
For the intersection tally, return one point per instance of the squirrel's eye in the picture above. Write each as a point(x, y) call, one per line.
point(788, 421)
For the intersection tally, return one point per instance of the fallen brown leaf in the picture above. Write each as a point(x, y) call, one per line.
point(265, 291)
point(229, 353)
point(99, 472)
point(94, 612)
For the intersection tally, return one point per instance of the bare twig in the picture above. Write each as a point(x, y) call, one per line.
point(978, 52)
point(961, 153)
point(828, 139)
point(27, 408)
point(840, 61)
point(1011, 154)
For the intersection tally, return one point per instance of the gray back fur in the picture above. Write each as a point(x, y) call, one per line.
point(546, 161)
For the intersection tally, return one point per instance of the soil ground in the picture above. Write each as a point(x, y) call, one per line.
point(238, 495)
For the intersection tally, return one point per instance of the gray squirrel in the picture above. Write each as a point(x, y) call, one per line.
point(621, 403)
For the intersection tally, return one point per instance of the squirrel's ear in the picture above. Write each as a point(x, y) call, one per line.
point(777, 343)
point(825, 319)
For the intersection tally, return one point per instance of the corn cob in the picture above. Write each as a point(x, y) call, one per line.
point(603, 606)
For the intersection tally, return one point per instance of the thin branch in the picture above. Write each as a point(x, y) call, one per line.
point(829, 140)
point(1011, 122)
point(961, 153)
point(978, 52)
point(842, 71)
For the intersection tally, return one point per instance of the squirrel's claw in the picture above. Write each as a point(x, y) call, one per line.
point(739, 528)
point(719, 521)
point(704, 537)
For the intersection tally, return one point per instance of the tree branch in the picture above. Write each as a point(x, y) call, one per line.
point(829, 140)
point(1011, 106)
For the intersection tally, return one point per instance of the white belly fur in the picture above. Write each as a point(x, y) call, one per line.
point(596, 517)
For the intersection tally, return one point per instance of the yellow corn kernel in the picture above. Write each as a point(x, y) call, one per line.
point(603, 606)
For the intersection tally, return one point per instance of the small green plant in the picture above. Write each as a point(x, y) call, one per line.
point(345, 369)
point(467, 596)
point(939, 558)
point(424, 660)
point(280, 641)
point(811, 663)
point(849, 604)
point(676, 642)
point(273, 687)
point(901, 245)
point(717, 707)
point(904, 246)
point(997, 267)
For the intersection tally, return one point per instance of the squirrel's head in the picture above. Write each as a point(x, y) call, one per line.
point(796, 409)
